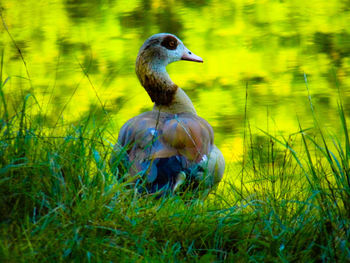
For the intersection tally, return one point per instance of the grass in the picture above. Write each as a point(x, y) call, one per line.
point(60, 201)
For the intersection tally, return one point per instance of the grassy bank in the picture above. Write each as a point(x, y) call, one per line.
point(60, 202)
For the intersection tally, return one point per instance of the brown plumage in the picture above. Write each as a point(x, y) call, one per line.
point(171, 145)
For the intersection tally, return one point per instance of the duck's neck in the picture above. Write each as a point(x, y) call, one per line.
point(165, 94)
point(181, 103)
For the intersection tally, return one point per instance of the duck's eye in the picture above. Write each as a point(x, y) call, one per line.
point(169, 42)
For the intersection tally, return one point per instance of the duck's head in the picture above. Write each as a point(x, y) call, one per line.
point(155, 54)
point(164, 48)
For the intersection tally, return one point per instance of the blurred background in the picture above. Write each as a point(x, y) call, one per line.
point(80, 58)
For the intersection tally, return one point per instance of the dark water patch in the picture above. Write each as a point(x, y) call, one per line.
point(112, 72)
point(97, 113)
point(228, 123)
point(322, 99)
point(249, 9)
point(195, 3)
point(194, 88)
point(166, 19)
point(79, 10)
point(118, 103)
point(23, 46)
point(289, 41)
point(253, 80)
point(38, 35)
point(67, 47)
point(262, 41)
point(169, 21)
point(342, 43)
point(346, 105)
point(134, 19)
point(145, 109)
point(90, 65)
point(211, 84)
point(345, 5)
point(323, 42)
point(298, 76)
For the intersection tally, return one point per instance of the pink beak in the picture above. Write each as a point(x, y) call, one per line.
point(188, 55)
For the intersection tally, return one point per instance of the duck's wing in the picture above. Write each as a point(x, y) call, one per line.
point(134, 143)
point(190, 135)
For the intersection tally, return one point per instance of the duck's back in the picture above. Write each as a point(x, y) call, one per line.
point(163, 144)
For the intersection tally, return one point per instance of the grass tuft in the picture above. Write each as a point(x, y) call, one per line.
point(61, 202)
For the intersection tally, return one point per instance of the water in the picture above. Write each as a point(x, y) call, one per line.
point(266, 46)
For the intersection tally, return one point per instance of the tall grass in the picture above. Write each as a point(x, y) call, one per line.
point(59, 200)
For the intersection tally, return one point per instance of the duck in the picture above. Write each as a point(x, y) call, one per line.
point(170, 147)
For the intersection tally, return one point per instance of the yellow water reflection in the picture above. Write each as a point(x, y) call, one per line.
point(266, 45)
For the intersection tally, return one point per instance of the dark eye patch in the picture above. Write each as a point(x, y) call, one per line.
point(169, 42)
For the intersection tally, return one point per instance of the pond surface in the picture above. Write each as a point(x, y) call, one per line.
point(258, 48)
